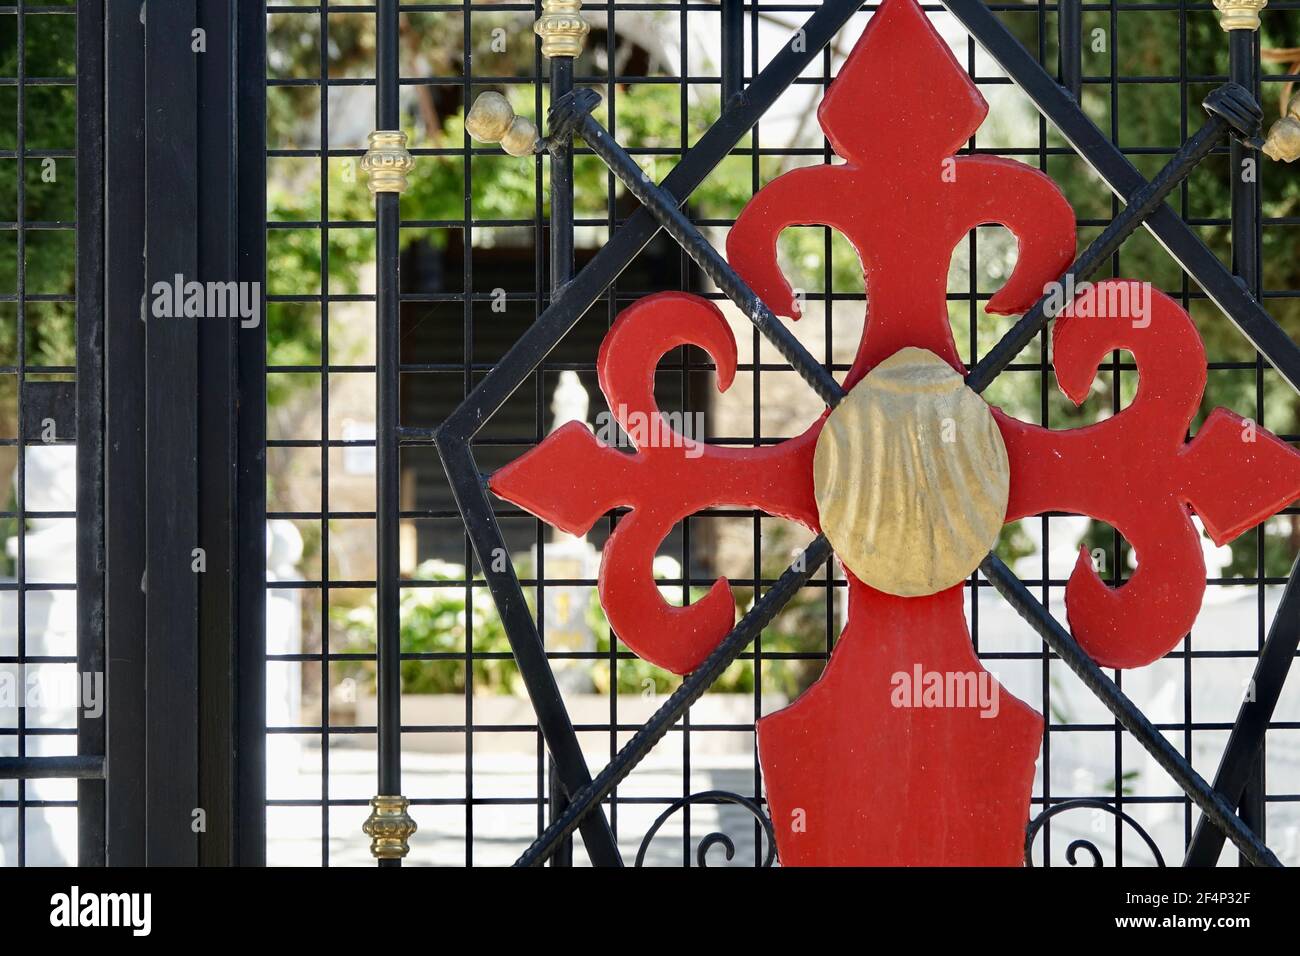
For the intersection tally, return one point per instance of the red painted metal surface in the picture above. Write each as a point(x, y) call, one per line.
point(899, 109)
point(864, 768)
point(1135, 472)
point(571, 479)
point(853, 775)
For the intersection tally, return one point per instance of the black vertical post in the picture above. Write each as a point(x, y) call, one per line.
point(561, 186)
point(91, 845)
point(217, 339)
point(250, 478)
point(1243, 68)
point(231, 527)
point(20, 335)
point(561, 251)
point(185, 652)
point(733, 49)
point(388, 490)
point(171, 440)
point(124, 414)
point(1069, 35)
point(558, 800)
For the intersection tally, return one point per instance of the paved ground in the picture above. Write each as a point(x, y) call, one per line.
point(502, 831)
point(504, 826)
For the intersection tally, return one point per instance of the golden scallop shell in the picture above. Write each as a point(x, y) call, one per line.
point(911, 476)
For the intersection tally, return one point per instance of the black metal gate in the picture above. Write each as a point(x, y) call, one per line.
point(567, 796)
point(52, 301)
point(228, 142)
point(131, 128)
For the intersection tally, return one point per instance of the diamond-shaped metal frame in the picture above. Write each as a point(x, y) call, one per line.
point(453, 440)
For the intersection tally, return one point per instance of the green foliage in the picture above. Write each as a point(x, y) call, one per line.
point(437, 620)
point(1013, 543)
point(294, 258)
point(50, 191)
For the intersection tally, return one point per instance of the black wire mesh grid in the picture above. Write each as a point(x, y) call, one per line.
point(470, 815)
point(1123, 91)
point(38, 265)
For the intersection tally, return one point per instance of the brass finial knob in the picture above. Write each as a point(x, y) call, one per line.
point(387, 162)
point(1239, 14)
point(561, 27)
point(389, 826)
point(492, 120)
point(1283, 141)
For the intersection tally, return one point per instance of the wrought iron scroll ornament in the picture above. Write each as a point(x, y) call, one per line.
point(897, 765)
point(718, 838)
point(1072, 851)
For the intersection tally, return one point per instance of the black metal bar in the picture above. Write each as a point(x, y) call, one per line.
point(789, 62)
point(250, 478)
point(1227, 101)
point(1134, 721)
point(733, 50)
point(666, 209)
point(467, 354)
point(526, 643)
point(20, 336)
point(1069, 41)
point(1243, 50)
point(91, 731)
point(388, 419)
point(326, 582)
point(558, 801)
point(561, 221)
point(171, 463)
point(1124, 179)
point(1243, 46)
point(85, 767)
point(561, 242)
point(690, 690)
point(1245, 744)
point(217, 340)
point(124, 422)
point(1243, 67)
